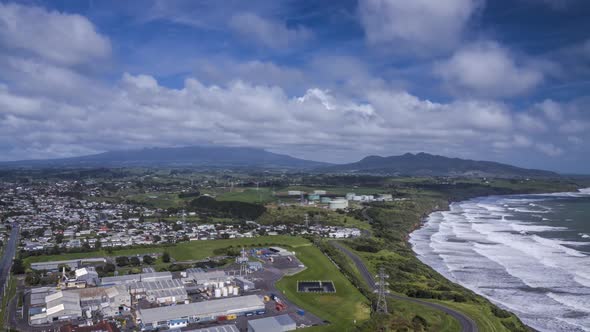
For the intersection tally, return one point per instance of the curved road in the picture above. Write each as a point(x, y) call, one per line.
point(467, 324)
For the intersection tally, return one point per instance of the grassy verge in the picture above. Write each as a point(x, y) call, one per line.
point(342, 308)
point(404, 315)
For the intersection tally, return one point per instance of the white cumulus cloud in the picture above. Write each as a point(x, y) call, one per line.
point(487, 69)
point(62, 38)
point(422, 26)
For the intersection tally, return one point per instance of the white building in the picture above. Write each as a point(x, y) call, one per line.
point(338, 203)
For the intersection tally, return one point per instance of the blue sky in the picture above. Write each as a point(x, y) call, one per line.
point(324, 80)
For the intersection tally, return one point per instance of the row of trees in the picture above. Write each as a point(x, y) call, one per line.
point(235, 209)
point(134, 261)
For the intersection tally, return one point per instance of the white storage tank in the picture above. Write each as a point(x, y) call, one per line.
point(236, 291)
point(230, 289)
point(224, 291)
point(218, 292)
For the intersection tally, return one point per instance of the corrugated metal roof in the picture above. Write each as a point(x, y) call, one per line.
point(276, 324)
point(223, 328)
point(203, 309)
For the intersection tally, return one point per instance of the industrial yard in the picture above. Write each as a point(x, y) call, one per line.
point(239, 297)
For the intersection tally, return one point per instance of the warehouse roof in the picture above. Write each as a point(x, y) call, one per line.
point(222, 328)
point(202, 309)
point(277, 323)
point(151, 276)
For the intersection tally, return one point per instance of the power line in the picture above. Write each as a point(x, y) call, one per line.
point(382, 291)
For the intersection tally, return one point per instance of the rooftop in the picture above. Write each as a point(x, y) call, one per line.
point(206, 308)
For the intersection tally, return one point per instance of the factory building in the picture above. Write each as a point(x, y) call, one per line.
point(244, 284)
point(181, 315)
point(110, 301)
point(160, 291)
point(220, 328)
point(59, 306)
point(276, 324)
point(73, 264)
point(131, 278)
point(201, 277)
point(338, 203)
point(87, 275)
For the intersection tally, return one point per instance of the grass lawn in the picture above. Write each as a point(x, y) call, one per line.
point(183, 251)
point(404, 311)
point(340, 308)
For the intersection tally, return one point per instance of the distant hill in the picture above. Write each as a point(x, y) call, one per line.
point(193, 156)
point(424, 164)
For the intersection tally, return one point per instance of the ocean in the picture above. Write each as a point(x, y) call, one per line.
point(529, 254)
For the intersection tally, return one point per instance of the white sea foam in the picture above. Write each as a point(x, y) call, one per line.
point(546, 281)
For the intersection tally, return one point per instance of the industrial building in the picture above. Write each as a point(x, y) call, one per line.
point(338, 203)
point(181, 315)
point(73, 264)
point(221, 328)
point(160, 291)
point(202, 277)
point(275, 324)
point(244, 284)
point(59, 306)
point(87, 275)
point(108, 300)
point(131, 278)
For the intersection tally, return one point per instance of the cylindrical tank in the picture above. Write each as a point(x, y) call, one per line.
point(220, 284)
point(230, 289)
point(218, 292)
point(224, 291)
point(236, 291)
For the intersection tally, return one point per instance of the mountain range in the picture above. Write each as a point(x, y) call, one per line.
point(420, 164)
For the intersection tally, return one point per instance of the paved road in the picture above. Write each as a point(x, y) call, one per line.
point(467, 324)
point(6, 261)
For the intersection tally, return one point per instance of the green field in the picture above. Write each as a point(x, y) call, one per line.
point(182, 251)
point(342, 308)
point(296, 215)
point(248, 195)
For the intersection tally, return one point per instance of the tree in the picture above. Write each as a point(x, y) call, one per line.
point(109, 267)
point(166, 257)
point(17, 266)
point(134, 261)
point(33, 278)
point(59, 238)
point(122, 261)
point(157, 238)
point(149, 260)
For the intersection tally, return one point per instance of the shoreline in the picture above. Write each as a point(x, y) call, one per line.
point(424, 221)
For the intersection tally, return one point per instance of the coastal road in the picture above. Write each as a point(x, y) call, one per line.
point(467, 324)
